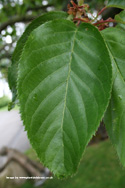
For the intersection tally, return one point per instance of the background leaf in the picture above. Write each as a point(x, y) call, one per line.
point(121, 17)
point(116, 3)
point(64, 88)
point(115, 115)
point(12, 75)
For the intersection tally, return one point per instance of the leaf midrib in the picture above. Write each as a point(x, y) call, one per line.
point(67, 83)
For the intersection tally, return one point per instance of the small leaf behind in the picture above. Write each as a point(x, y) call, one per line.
point(115, 115)
point(116, 3)
point(121, 18)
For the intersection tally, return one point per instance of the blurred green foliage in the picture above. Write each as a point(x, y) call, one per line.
point(95, 4)
point(100, 168)
point(4, 101)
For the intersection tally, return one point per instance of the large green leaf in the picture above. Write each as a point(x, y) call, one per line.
point(64, 86)
point(12, 76)
point(115, 115)
point(116, 3)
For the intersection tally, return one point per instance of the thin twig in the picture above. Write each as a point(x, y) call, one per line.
point(104, 21)
point(102, 11)
point(80, 19)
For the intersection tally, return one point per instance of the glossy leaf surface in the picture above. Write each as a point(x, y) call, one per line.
point(18, 50)
point(64, 86)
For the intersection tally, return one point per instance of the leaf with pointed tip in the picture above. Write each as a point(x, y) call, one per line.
point(64, 86)
point(12, 73)
point(116, 3)
point(115, 115)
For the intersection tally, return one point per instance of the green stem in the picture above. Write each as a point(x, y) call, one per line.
point(80, 2)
